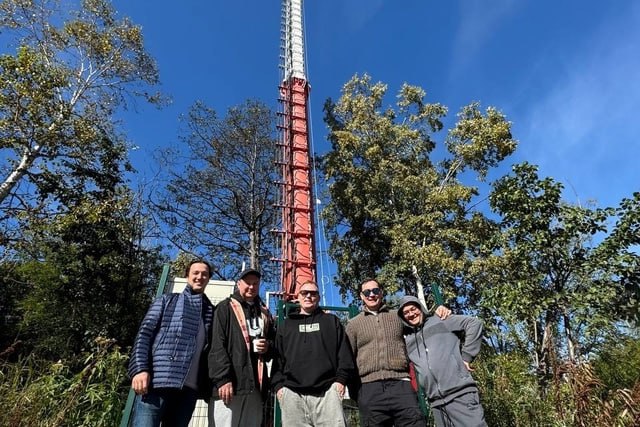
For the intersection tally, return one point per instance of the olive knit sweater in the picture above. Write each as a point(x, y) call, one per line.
point(378, 345)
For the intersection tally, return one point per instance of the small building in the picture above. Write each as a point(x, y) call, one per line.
point(216, 290)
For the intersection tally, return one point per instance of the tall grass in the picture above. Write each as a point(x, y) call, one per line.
point(512, 396)
point(40, 393)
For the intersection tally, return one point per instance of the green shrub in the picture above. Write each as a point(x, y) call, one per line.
point(39, 393)
point(580, 395)
point(509, 392)
point(618, 363)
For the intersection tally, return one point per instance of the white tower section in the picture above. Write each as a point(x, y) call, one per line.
point(293, 39)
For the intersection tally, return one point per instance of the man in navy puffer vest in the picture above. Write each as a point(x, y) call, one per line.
point(168, 365)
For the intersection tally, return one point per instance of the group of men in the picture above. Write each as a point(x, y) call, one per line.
point(188, 349)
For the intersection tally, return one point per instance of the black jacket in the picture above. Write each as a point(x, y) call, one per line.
point(312, 352)
point(229, 360)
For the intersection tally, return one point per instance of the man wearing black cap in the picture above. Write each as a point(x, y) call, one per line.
point(243, 336)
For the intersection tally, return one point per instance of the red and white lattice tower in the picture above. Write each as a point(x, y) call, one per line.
point(297, 260)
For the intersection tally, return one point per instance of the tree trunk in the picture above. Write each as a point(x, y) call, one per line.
point(572, 347)
point(28, 157)
point(419, 287)
point(536, 354)
point(253, 250)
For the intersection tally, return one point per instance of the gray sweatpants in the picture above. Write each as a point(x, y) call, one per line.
point(463, 411)
point(302, 410)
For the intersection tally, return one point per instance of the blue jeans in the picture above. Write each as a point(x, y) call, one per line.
point(172, 407)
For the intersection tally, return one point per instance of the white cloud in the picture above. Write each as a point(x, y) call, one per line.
point(584, 130)
point(596, 91)
point(477, 22)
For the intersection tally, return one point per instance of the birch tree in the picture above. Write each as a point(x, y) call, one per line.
point(398, 204)
point(68, 68)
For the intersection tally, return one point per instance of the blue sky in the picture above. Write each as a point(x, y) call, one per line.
point(565, 73)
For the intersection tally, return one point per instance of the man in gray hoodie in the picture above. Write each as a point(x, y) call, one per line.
point(442, 364)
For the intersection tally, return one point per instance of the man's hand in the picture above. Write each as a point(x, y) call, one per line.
point(468, 366)
point(340, 389)
point(140, 382)
point(279, 394)
point(225, 392)
point(443, 312)
point(261, 345)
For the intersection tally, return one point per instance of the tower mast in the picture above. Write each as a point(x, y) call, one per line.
point(298, 262)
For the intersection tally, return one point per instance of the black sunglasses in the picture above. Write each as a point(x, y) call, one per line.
point(367, 292)
point(310, 293)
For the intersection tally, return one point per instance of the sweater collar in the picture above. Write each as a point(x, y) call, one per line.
point(383, 309)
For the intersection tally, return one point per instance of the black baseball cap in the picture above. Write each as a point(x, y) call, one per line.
point(247, 272)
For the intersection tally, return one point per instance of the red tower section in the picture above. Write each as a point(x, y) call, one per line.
point(297, 260)
point(297, 244)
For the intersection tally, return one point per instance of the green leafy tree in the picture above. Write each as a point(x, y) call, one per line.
point(70, 72)
point(397, 210)
point(219, 195)
point(561, 276)
point(11, 291)
point(90, 273)
point(74, 232)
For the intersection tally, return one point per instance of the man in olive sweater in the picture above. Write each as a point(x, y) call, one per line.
point(386, 397)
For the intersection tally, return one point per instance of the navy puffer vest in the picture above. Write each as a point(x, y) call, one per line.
point(166, 340)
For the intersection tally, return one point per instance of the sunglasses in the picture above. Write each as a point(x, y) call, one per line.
point(367, 292)
point(308, 293)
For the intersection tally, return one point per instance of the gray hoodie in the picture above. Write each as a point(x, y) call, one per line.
point(434, 348)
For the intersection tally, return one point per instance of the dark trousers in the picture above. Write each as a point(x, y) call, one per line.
point(387, 403)
point(172, 407)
